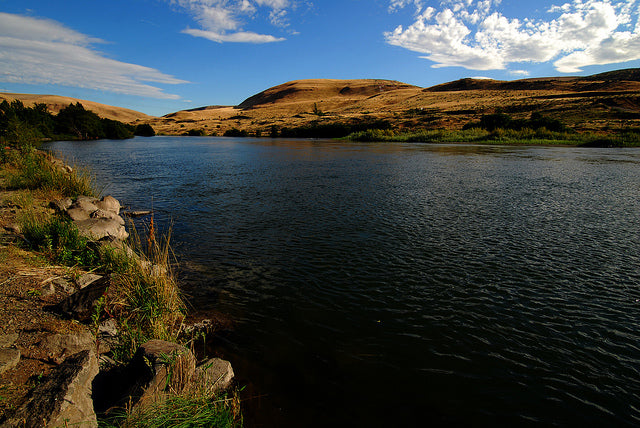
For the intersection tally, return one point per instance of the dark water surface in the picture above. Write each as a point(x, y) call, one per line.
point(404, 284)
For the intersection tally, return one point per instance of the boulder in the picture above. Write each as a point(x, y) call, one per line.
point(164, 367)
point(60, 346)
point(63, 399)
point(81, 304)
point(109, 203)
point(96, 219)
point(214, 376)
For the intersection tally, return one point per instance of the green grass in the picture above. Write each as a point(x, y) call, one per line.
point(59, 239)
point(32, 169)
point(183, 411)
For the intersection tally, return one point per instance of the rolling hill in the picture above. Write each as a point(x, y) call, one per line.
point(592, 103)
point(55, 103)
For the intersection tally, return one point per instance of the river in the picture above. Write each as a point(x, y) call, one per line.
point(403, 284)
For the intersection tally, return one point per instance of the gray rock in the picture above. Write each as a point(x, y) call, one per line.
point(82, 208)
point(63, 285)
point(7, 340)
point(64, 399)
point(100, 228)
point(60, 346)
point(164, 367)
point(81, 304)
point(61, 205)
point(87, 279)
point(108, 327)
point(100, 213)
point(109, 203)
point(9, 358)
point(214, 375)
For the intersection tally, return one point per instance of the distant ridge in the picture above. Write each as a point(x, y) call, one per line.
point(609, 81)
point(55, 103)
point(322, 89)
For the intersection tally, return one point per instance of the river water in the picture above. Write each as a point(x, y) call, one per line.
point(403, 284)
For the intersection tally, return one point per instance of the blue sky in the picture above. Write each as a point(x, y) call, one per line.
point(160, 56)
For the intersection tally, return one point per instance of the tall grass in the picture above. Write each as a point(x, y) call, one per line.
point(187, 410)
point(33, 169)
point(144, 297)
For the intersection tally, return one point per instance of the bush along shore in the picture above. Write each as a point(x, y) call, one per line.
point(94, 331)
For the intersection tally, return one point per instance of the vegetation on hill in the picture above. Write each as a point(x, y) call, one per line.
point(500, 128)
point(28, 126)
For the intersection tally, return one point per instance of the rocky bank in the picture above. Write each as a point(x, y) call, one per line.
point(55, 367)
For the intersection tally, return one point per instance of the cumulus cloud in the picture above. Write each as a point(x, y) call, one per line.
point(223, 20)
point(474, 34)
point(42, 51)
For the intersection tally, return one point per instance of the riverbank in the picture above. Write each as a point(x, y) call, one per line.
point(87, 308)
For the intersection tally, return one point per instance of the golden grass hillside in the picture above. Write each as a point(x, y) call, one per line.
point(589, 104)
point(55, 103)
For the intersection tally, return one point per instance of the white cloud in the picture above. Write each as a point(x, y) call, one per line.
point(237, 37)
point(222, 20)
point(476, 35)
point(42, 51)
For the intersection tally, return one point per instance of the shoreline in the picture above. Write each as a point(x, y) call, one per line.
point(40, 343)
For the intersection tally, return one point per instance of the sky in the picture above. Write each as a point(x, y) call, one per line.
point(161, 56)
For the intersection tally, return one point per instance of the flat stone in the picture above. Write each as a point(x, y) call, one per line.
point(7, 340)
point(64, 399)
point(9, 358)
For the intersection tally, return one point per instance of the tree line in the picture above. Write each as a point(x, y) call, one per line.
point(20, 125)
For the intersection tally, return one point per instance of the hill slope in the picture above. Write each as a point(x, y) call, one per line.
point(55, 103)
point(591, 103)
